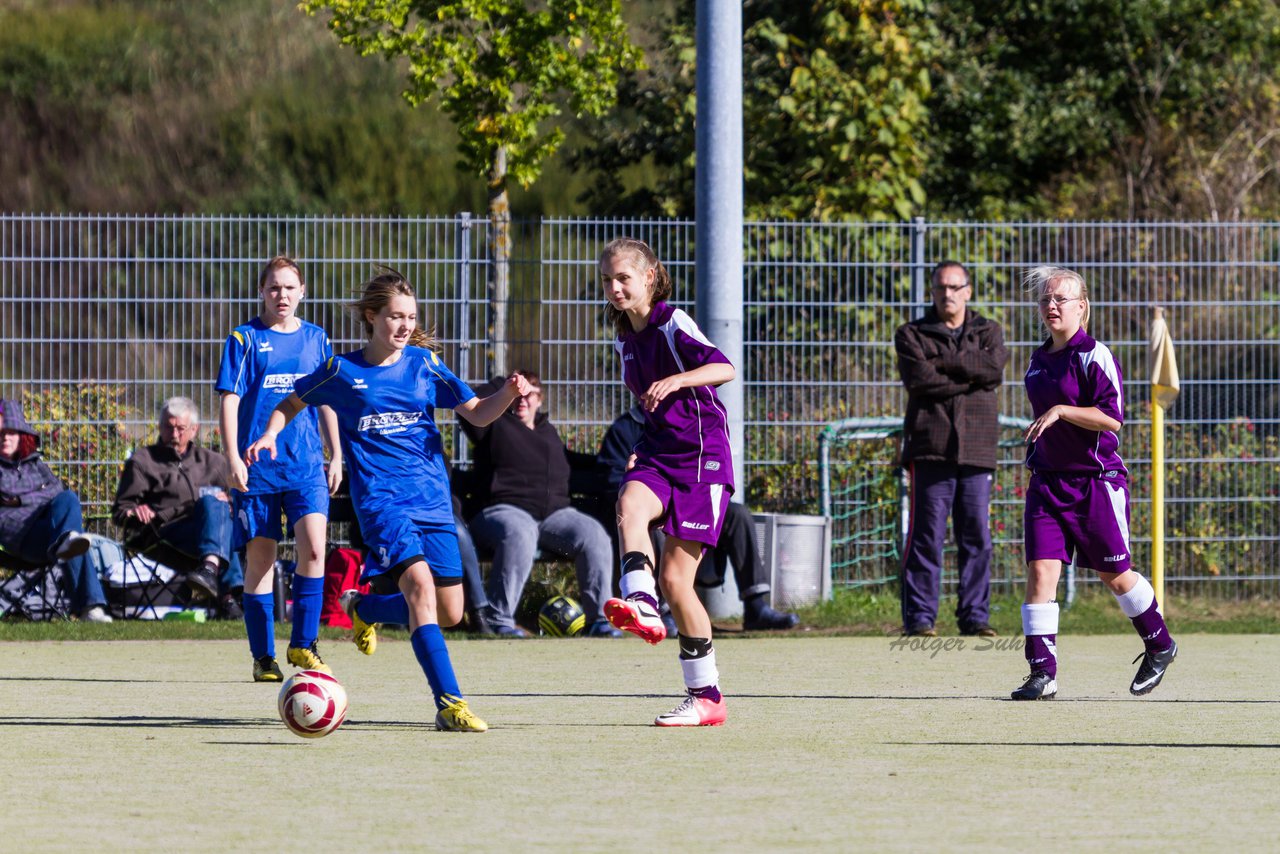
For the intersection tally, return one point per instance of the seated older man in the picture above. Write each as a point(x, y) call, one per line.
point(172, 495)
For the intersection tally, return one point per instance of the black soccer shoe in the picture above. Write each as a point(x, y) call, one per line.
point(1039, 686)
point(1152, 669)
point(202, 584)
point(770, 620)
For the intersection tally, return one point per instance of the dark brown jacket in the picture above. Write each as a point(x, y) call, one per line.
point(951, 389)
point(154, 475)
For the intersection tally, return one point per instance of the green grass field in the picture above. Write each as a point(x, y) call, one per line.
point(833, 743)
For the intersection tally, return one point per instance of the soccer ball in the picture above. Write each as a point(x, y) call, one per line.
point(561, 617)
point(312, 704)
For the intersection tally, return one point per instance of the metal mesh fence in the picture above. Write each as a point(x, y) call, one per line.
point(103, 317)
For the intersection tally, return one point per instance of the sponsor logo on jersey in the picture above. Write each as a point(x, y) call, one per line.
point(1033, 371)
point(627, 357)
point(694, 526)
point(359, 383)
point(280, 382)
point(385, 423)
point(712, 465)
point(264, 346)
point(1111, 474)
point(1114, 558)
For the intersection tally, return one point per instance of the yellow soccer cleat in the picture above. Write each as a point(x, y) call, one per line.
point(266, 669)
point(308, 658)
point(363, 635)
point(456, 716)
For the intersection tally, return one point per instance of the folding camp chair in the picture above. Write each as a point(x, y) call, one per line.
point(31, 591)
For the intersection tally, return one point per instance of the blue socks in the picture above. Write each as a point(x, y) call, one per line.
point(259, 615)
point(308, 594)
point(433, 656)
point(375, 608)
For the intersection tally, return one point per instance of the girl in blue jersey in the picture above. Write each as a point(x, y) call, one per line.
point(1078, 495)
point(260, 362)
point(384, 396)
point(680, 473)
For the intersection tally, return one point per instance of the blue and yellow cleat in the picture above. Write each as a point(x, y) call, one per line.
point(456, 716)
point(266, 669)
point(363, 635)
point(307, 658)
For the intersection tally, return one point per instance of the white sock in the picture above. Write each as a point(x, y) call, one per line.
point(1040, 619)
point(638, 581)
point(700, 672)
point(1138, 599)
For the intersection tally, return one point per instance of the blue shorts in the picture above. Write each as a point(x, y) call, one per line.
point(692, 511)
point(259, 515)
point(401, 542)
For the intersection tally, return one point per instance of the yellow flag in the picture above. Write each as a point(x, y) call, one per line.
point(1164, 369)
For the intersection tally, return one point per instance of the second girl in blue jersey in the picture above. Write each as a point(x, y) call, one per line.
point(260, 362)
point(384, 396)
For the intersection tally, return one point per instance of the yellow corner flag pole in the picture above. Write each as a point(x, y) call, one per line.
point(1164, 389)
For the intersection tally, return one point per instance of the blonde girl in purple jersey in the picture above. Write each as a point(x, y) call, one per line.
point(680, 474)
point(1078, 495)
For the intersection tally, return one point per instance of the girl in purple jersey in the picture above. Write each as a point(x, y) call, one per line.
point(680, 473)
point(1078, 496)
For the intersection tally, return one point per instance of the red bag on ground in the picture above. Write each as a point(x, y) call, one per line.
point(341, 572)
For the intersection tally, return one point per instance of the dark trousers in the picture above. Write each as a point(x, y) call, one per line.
point(50, 522)
point(737, 543)
point(205, 530)
point(939, 490)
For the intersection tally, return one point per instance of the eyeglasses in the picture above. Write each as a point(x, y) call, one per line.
point(1045, 302)
point(949, 289)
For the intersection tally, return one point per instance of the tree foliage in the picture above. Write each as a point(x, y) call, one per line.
point(833, 112)
point(1164, 109)
point(502, 69)
point(1067, 108)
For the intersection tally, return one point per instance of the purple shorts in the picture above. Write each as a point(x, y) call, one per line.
point(692, 511)
point(1078, 514)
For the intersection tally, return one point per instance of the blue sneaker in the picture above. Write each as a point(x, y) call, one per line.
point(602, 629)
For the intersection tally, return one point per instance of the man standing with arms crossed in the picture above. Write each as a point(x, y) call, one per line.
point(951, 362)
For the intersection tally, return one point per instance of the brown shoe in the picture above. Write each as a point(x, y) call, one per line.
point(920, 632)
point(983, 631)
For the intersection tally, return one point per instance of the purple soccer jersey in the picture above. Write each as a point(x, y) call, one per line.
point(687, 437)
point(1078, 498)
point(1083, 373)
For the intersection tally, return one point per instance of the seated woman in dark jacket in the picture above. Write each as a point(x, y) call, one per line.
point(40, 519)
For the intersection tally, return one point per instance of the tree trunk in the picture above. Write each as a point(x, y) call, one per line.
point(500, 262)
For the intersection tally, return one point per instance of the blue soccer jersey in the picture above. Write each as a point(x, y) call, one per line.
point(260, 365)
point(391, 445)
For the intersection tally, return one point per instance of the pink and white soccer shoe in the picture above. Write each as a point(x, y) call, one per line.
point(694, 711)
point(636, 616)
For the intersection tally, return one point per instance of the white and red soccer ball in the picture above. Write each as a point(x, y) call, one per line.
point(312, 704)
